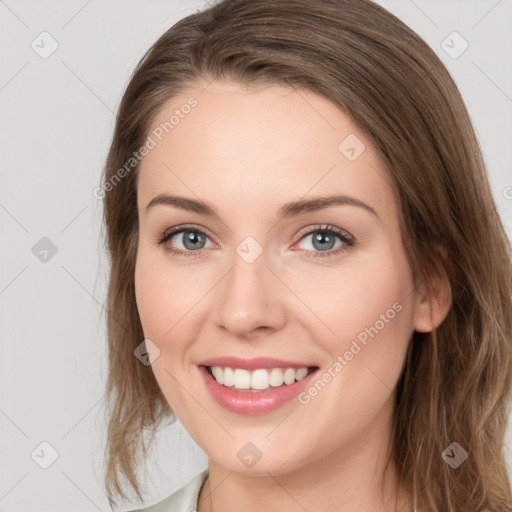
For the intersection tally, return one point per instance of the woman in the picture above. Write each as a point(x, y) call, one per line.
point(307, 267)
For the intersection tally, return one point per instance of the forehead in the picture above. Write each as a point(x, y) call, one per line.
point(223, 141)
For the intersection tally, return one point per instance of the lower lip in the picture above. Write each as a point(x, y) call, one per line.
point(249, 403)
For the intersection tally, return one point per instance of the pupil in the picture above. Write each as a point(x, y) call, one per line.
point(322, 236)
point(192, 238)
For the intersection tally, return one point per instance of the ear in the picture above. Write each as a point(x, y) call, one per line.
point(431, 311)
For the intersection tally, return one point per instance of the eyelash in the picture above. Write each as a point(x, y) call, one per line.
point(348, 240)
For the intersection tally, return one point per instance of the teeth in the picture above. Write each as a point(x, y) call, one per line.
point(276, 377)
point(227, 377)
point(218, 374)
point(242, 379)
point(301, 373)
point(289, 376)
point(258, 379)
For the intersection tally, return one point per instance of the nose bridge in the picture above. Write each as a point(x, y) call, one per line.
point(249, 297)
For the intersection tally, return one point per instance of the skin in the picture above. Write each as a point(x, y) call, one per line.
point(247, 152)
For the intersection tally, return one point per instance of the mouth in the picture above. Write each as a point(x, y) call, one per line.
point(258, 380)
point(257, 385)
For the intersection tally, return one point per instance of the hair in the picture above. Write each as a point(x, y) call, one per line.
point(456, 380)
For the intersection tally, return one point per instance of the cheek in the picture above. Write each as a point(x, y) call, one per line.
point(371, 314)
point(151, 298)
point(366, 314)
point(164, 309)
point(373, 329)
point(165, 295)
point(359, 300)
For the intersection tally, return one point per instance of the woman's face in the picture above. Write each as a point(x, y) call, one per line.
point(254, 276)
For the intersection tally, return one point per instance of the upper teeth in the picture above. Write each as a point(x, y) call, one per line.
point(257, 379)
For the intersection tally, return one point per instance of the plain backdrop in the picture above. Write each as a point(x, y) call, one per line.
point(63, 68)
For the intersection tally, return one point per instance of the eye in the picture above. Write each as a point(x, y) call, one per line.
point(323, 240)
point(191, 238)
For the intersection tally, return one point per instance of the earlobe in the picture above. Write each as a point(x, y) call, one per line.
point(432, 310)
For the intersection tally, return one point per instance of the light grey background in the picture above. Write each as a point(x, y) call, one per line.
point(57, 117)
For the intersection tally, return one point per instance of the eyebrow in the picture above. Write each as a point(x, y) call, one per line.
point(285, 211)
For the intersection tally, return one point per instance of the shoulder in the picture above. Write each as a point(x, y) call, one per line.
point(182, 500)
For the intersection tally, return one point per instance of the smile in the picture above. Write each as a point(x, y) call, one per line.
point(259, 379)
point(256, 386)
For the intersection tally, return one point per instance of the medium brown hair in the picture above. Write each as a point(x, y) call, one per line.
point(456, 381)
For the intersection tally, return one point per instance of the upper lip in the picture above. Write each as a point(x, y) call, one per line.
point(253, 364)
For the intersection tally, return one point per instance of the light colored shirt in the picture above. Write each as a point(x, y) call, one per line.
point(182, 500)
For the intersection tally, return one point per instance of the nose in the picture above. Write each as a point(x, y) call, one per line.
point(249, 300)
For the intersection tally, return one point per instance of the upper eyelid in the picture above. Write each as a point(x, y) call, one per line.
point(176, 230)
point(325, 227)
